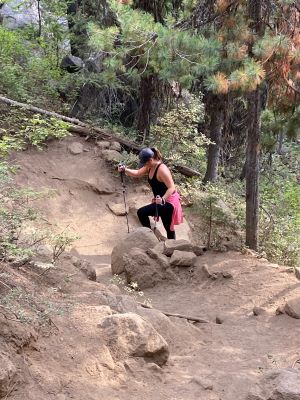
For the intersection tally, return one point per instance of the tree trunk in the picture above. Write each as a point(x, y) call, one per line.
point(216, 111)
point(280, 143)
point(252, 170)
point(253, 140)
point(145, 109)
point(154, 7)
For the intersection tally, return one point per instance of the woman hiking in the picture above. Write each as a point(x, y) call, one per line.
point(166, 202)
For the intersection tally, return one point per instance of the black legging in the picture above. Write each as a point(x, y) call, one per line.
point(164, 211)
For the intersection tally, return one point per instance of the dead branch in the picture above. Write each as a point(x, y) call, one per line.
point(168, 314)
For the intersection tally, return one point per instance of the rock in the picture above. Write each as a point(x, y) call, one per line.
point(199, 251)
point(170, 275)
point(171, 245)
point(88, 270)
point(292, 308)
point(115, 146)
point(182, 259)
point(18, 262)
point(17, 14)
point(219, 320)
point(75, 148)
point(159, 248)
point(45, 251)
point(7, 374)
point(105, 358)
point(111, 156)
point(118, 303)
point(214, 276)
point(95, 62)
point(118, 209)
point(130, 335)
point(103, 144)
point(206, 271)
point(76, 261)
point(43, 266)
point(114, 288)
point(142, 269)
point(143, 238)
point(163, 260)
point(258, 311)
point(280, 384)
point(160, 322)
point(71, 63)
point(226, 275)
point(297, 272)
point(279, 310)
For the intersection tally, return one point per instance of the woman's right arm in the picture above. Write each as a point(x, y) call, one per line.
point(135, 173)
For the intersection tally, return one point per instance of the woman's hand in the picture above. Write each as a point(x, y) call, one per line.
point(121, 168)
point(159, 200)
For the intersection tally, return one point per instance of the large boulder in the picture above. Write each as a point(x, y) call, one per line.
point(143, 238)
point(7, 373)
point(182, 244)
point(182, 259)
point(292, 308)
point(111, 156)
point(280, 384)
point(71, 63)
point(130, 335)
point(142, 269)
point(118, 303)
point(75, 148)
point(19, 13)
point(160, 322)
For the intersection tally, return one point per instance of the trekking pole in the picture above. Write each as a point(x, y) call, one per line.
point(124, 194)
point(156, 213)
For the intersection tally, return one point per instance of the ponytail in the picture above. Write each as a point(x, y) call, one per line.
point(157, 154)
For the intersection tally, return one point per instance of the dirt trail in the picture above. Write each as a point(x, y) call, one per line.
point(215, 361)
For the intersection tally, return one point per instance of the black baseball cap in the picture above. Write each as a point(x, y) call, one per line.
point(145, 155)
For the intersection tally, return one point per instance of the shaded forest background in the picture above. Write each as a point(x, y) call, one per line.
point(214, 84)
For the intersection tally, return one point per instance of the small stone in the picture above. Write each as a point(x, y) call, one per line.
point(115, 146)
point(198, 250)
point(214, 276)
point(219, 320)
point(206, 271)
point(75, 148)
point(279, 310)
point(226, 275)
point(103, 144)
point(258, 311)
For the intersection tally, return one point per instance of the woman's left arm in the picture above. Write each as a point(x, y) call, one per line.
point(165, 176)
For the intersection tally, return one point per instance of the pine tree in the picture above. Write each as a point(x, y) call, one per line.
point(151, 56)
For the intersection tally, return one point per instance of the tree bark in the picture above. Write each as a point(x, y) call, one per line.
point(145, 110)
point(252, 170)
point(253, 140)
point(216, 111)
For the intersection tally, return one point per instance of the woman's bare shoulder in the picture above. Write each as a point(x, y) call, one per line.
point(164, 170)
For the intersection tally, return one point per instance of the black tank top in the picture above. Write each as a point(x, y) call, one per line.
point(158, 188)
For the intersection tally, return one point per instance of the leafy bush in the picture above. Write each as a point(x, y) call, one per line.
point(38, 130)
point(280, 216)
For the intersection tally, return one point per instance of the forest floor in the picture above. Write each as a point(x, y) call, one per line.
point(209, 361)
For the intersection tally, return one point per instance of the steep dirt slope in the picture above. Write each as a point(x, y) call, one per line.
point(214, 361)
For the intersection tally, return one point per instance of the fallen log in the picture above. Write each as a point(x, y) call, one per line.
point(168, 314)
point(83, 129)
